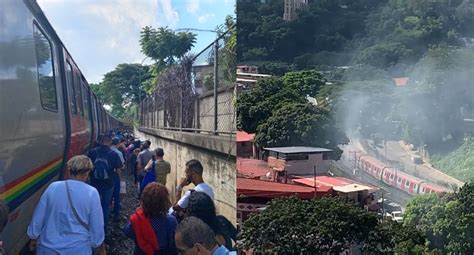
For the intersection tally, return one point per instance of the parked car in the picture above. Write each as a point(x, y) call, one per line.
point(397, 216)
point(417, 160)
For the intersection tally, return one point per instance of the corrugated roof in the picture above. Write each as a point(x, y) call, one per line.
point(252, 167)
point(334, 182)
point(298, 149)
point(352, 188)
point(258, 188)
point(401, 82)
point(243, 136)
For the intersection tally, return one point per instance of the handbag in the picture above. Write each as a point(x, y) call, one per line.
point(149, 177)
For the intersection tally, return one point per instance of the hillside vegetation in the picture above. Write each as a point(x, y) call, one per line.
point(459, 163)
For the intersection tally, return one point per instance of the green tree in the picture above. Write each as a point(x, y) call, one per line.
point(301, 124)
point(324, 226)
point(391, 237)
point(446, 219)
point(164, 45)
point(122, 87)
point(277, 110)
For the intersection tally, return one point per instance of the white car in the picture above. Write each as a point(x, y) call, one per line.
point(397, 216)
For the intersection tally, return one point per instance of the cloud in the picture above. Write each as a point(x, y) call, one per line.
point(204, 18)
point(192, 6)
point(102, 34)
point(166, 10)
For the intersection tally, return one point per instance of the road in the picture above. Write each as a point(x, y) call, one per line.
point(397, 151)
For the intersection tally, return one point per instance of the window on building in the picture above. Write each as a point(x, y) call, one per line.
point(289, 157)
point(326, 156)
point(45, 68)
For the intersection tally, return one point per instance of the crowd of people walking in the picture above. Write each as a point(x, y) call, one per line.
point(72, 215)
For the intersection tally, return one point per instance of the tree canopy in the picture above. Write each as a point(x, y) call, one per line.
point(164, 45)
point(382, 33)
point(122, 87)
point(278, 111)
point(446, 219)
point(325, 226)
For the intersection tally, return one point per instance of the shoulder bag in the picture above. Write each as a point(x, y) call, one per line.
point(76, 215)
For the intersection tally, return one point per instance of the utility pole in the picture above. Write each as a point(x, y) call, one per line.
point(315, 167)
point(383, 208)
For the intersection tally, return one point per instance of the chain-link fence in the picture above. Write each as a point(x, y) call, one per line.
point(198, 98)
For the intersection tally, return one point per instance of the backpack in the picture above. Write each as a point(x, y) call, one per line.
point(101, 167)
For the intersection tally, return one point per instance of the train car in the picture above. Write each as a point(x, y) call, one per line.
point(372, 166)
point(396, 178)
point(48, 114)
point(427, 188)
point(402, 180)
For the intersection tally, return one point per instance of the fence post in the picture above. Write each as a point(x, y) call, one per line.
point(216, 81)
point(197, 115)
point(181, 110)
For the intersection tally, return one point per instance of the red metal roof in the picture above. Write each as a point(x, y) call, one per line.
point(268, 189)
point(401, 82)
point(252, 168)
point(243, 136)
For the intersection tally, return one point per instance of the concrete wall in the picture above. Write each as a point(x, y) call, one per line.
point(216, 153)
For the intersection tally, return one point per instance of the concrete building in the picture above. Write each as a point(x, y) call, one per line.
point(299, 160)
point(245, 146)
point(292, 7)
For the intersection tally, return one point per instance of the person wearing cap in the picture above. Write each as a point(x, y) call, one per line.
point(116, 144)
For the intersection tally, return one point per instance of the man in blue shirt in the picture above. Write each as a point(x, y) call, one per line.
point(193, 237)
point(106, 164)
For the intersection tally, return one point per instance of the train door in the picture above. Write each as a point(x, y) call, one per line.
point(95, 120)
point(76, 121)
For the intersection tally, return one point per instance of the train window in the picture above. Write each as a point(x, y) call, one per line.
point(85, 97)
point(415, 186)
point(407, 183)
point(423, 190)
point(399, 179)
point(80, 104)
point(45, 68)
point(72, 91)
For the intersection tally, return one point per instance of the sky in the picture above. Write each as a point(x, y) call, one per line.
point(101, 34)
